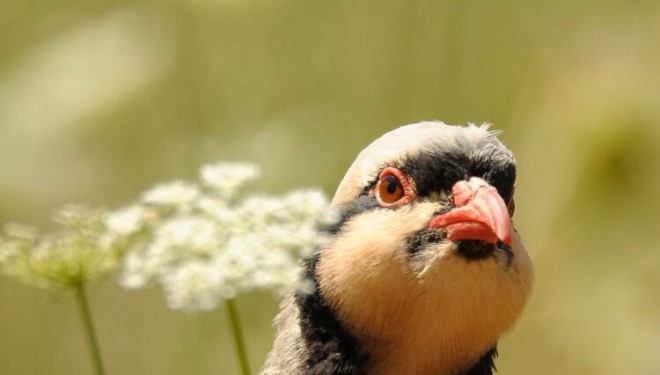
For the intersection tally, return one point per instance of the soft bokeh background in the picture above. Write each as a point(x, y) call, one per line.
point(100, 100)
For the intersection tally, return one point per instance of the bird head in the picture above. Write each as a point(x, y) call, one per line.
point(424, 268)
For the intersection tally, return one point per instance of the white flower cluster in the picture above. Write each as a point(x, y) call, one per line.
point(198, 240)
point(203, 245)
point(67, 258)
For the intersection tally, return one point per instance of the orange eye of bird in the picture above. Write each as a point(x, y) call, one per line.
point(390, 189)
point(394, 188)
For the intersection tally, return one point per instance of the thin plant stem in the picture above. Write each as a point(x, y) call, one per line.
point(239, 341)
point(88, 327)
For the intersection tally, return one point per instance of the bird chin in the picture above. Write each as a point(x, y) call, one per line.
point(471, 248)
point(433, 256)
point(474, 249)
point(473, 244)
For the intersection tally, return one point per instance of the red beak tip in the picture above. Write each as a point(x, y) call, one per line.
point(505, 234)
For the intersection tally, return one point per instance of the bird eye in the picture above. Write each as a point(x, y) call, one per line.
point(390, 189)
point(393, 188)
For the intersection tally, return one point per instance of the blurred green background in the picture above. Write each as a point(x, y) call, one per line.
point(101, 100)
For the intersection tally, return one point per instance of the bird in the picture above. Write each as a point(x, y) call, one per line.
point(422, 272)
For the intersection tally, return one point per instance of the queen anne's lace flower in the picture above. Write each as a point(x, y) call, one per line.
point(67, 258)
point(198, 240)
point(211, 246)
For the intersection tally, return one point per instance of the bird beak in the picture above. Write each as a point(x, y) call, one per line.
point(480, 214)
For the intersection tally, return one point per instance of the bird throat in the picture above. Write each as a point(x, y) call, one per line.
point(332, 347)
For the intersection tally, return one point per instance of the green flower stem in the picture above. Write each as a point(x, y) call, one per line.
point(239, 342)
point(88, 327)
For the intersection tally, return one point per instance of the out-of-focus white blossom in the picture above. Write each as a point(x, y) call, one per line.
point(200, 241)
point(67, 258)
point(216, 209)
point(128, 220)
point(225, 178)
point(216, 246)
point(193, 286)
point(16, 241)
point(21, 232)
point(136, 274)
point(178, 194)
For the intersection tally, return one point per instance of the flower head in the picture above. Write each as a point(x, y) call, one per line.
point(216, 246)
point(69, 257)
